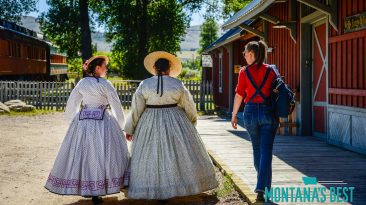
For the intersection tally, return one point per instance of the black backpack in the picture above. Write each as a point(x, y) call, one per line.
point(284, 100)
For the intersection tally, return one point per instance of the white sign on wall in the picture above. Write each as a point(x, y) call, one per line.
point(206, 61)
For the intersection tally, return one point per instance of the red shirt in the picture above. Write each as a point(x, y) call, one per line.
point(245, 89)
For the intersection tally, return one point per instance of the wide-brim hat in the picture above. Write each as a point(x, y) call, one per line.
point(106, 59)
point(175, 64)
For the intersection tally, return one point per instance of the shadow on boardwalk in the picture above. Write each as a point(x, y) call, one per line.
point(294, 157)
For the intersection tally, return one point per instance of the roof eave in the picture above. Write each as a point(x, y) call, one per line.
point(249, 15)
point(226, 41)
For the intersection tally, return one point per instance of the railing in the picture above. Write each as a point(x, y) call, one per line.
point(54, 95)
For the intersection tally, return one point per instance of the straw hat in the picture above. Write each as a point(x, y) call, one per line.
point(95, 57)
point(175, 64)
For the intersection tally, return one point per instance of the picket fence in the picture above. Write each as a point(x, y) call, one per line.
point(54, 95)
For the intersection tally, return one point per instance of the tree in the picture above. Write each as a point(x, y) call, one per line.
point(139, 27)
point(67, 25)
point(13, 10)
point(86, 46)
point(208, 33)
point(233, 6)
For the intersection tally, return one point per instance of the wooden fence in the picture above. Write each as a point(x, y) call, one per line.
point(54, 95)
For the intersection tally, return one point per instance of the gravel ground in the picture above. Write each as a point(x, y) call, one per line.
point(29, 145)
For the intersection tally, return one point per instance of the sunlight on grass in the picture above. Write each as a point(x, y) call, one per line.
point(31, 113)
point(225, 188)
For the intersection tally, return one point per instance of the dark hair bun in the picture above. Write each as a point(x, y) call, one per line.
point(162, 65)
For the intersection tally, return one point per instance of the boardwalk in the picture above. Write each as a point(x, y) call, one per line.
point(294, 158)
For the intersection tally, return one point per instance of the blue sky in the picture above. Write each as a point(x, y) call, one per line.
point(42, 6)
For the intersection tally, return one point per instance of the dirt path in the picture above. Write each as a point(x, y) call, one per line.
point(29, 145)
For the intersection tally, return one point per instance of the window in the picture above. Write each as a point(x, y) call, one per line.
point(14, 49)
point(220, 73)
point(43, 54)
point(35, 53)
point(29, 52)
point(9, 46)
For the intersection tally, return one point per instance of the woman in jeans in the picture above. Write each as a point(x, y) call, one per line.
point(254, 86)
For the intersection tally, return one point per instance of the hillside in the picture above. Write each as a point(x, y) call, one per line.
point(190, 42)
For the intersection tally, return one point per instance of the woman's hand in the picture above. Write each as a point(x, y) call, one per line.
point(237, 102)
point(234, 121)
point(129, 137)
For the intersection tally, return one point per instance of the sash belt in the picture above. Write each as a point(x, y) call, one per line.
point(162, 106)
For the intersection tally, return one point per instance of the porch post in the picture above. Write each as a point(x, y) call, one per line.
point(229, 47)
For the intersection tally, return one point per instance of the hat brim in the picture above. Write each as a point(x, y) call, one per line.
point(106, 59)
point(175, 64)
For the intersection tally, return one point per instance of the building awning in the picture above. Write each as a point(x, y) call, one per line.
point(248, 12)
point(229, 36)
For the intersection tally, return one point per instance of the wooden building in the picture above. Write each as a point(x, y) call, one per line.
point(25, 56)
point(319, 48)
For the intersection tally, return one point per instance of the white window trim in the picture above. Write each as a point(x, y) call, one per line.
point(220, 72)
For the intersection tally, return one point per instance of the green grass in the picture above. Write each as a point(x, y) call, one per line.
point(225, 188)
point(30, 113)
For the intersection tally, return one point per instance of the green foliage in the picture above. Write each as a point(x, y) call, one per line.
point(233, 6)
point(208, 33)
point(75, 65)
point(191, 70)
point(189, 74)
point(139, 27)
point(13, 10)
point(225, 188)
point(191, 5)
point(167, 24)
point(192, 64)
point(61, 25)
point(115, 64)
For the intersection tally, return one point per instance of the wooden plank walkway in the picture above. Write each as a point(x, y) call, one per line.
point(294, 157)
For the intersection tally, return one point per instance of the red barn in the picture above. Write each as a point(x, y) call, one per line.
point(319, 48)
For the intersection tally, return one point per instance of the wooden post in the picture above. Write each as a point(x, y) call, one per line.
point(202, 96)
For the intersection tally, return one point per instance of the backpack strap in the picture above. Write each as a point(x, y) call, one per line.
point(275, 70)
point(258, 89)
point(278, 77)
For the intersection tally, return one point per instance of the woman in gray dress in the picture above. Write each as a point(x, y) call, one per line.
point(93, 157)
point(168, 156)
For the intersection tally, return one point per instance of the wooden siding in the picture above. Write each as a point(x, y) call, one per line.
point(347, 59)
point(286, 53)
point(58, 59)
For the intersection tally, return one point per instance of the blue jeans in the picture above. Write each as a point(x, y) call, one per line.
point(261, 124)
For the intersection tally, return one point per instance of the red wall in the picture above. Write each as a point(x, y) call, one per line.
point(347, 59)
point(286, 53)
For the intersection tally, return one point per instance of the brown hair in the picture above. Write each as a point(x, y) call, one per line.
point(93, 65)
point(259, 48)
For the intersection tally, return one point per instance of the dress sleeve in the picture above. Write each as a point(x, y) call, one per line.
point(137, 108)
point(187, 103)
point(116, 106)
point(73, 103)
point(240, 87)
